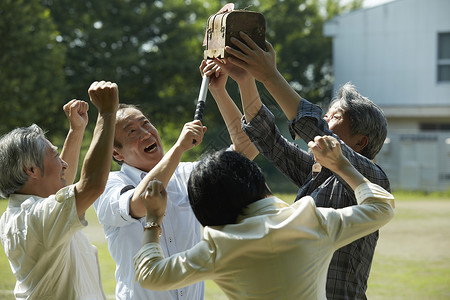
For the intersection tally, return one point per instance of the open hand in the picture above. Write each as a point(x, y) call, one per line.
point(237, 73)
point(259, 63)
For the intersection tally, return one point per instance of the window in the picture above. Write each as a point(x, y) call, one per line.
point(434, 126)
point(443, 68)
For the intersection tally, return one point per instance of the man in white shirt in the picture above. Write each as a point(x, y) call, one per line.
point(254, 245)
point(41, 228)
point(138, 148)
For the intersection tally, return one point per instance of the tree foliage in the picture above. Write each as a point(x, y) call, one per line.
point(31, 67)
point(152, 49)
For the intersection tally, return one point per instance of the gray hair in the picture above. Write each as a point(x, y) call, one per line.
point(20, 149)
point(365, 117)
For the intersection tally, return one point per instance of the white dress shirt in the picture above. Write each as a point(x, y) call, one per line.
point(49, 255)
point(274, 251)
point(180, 230)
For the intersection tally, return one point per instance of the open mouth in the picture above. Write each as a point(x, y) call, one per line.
point(150, 148)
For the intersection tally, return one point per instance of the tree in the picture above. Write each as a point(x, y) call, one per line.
point(31, 63)
point(152, 49)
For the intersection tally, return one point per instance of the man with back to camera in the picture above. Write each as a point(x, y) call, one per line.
point(353, 118)
point(254, 245)
point(41, 228)
point(138, 148)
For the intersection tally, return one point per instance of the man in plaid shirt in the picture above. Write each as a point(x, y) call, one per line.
point(357, 122)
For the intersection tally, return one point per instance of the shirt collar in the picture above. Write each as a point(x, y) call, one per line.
point(134, 173)
point(261, 207)
point(17, 200)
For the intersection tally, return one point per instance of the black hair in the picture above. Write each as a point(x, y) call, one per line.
point(222, 184)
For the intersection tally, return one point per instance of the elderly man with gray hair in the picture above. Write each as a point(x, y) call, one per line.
point(41, 228)
point(357, 122)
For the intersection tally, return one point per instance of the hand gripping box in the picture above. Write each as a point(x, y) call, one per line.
point(222, 27)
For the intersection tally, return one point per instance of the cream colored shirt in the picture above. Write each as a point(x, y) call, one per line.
point(49, 255)
point(275, 251)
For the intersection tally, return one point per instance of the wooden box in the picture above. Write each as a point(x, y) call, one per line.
point(222, 27)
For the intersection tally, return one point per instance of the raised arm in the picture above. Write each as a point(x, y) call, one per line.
point(76, 112)
point(375, 205)
point(262, 66)
point(251, 101)
point(97, 163)
point(228, 109)
point(154, 199)
point(155, 272)
point(167, 165)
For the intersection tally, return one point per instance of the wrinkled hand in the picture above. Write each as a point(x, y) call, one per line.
point(191, 131)
point(105, 96)
point(155, 200)
point(238, 74)
point(259, 63)
point(327, 152)
point(76, 112)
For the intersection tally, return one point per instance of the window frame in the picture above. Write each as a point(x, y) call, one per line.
point(442, 61)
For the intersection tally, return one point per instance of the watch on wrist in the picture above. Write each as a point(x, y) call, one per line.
point(149, 225)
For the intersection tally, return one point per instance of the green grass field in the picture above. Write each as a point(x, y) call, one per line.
point(412, 259)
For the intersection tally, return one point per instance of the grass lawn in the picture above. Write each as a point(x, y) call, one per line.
point(412, 259)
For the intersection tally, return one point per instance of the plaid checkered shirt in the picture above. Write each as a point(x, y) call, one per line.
point(350, 266)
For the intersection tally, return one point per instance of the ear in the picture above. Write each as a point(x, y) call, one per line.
point(117, 155)
point(32, 172)
point(361, 143)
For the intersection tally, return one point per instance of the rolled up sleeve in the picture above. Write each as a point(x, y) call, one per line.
point(286, 156)
point(113, 206)
point(155, 272)
point(375, 209)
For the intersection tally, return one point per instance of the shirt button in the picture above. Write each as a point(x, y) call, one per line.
point(170, 240)
point(181, 293)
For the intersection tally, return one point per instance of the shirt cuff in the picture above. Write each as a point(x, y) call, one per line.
point(149, 249)
point(83, 221)
point(305, 110)
point(65, 194)
point(259, 125)
point(147, 253)
point(68, 194)
point(230, 148)
point(368, 190)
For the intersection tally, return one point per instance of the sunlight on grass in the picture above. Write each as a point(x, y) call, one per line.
point(213, 292)
point(408, 279)
point(107, 268)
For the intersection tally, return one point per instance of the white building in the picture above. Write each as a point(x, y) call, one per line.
point(398, 55)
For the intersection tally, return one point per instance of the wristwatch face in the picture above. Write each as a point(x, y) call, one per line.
point(152, 224)
point(149, 225)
